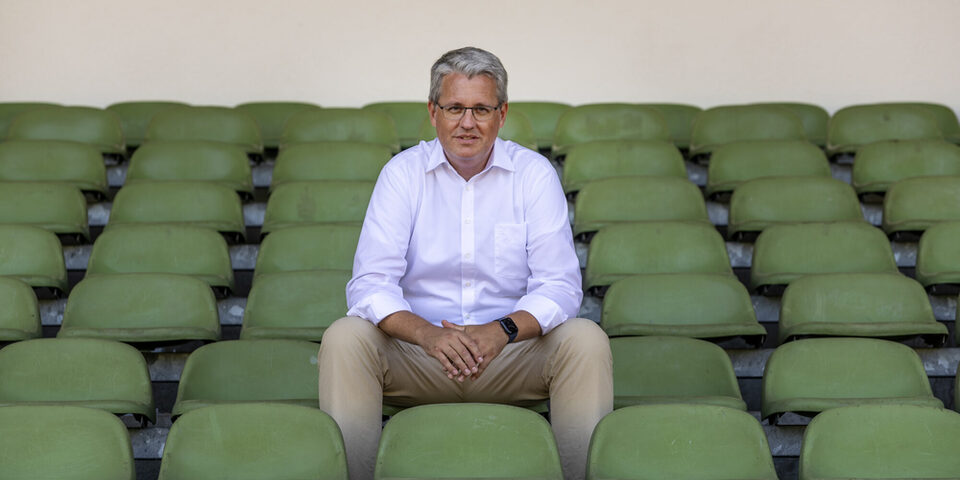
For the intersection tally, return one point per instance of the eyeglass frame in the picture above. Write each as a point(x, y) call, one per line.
point(444, 108)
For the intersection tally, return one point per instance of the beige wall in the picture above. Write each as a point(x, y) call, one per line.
point(350, 52)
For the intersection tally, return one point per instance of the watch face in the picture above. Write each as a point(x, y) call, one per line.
point(509, 326)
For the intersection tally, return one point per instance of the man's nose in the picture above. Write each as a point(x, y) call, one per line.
point(468, 120)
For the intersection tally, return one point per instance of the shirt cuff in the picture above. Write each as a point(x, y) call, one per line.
point(546, 311)
point(378, 306)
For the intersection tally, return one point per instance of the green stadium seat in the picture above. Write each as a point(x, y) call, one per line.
point(590, 161)
point(679, 119)
point(612, 201)
point(65, 443)
point(272, 117)
point(296, 305)
point(93, 126)
point(622, 250)
point(164, 248)
point(407, 117)
point(195, 160)
point(938, 257)
point(341, 125)
point(917, 203)
point(141, 307)
point(198, 204)
point(733, 163)
point(858, 125)
point(660, 370)
point(54, 161)
point(543, 118)
point(58, 207)
point(323, 201)
point(858, 305)
point(815, 120)
point(10, 110)
point(308, 247)
point(467, 440)
point(217, 124)
point(734, 123)
point(329, 161)
point(784, 253)
point(83, 372)
point(879, 165)
point(34, 256)
point(945, 116)
point(135, 116)
point(705, 442)
point(20, 316)
point(881, 441)
point(243, 371)
point(682, 304)
point(516, 128)
point(812, 375)
point(608, 121)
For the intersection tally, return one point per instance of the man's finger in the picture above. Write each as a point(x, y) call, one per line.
point(463, 349)
point(448, 367)
point(458, 362)
point(454, 326)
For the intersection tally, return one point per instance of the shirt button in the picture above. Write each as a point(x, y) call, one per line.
point(468, 284)
point(468, 221)
point(467, 316)
point(469, 188)
point(467, 255)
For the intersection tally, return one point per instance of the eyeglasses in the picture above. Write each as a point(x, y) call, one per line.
point(456, 112)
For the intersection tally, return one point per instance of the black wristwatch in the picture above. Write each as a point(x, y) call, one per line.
point(510, 328)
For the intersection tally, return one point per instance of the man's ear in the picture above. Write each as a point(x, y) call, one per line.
point(432, 109)
point(503, 113)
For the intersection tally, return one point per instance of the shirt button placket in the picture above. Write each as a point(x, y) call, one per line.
point(467, 245)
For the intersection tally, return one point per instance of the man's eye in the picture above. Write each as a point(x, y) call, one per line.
point(455, 110)
point(482, 110)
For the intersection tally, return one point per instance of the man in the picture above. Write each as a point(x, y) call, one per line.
point(465, 282)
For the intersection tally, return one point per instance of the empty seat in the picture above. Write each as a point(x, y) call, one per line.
point(858, 305)
point(218, 124)
point(341, 125)
point(198, 204)
point(812, 375)
point(881, 441)
point(272, 117)
point(135, 116)
point(682, 304)
point(679, 119)
point(93, 126)
point(58, 207)
point(20, 316)
point(543, 118)
point(10, 110)
point(608, 121)
point(84, 372)
point(764, 202)
point(590, 161)
point(141, 307)
point(784, 253)
point(34, 256)
point(679, 441)
point(938, 258)
point(329, 161)
point(55, 161)
point(945, 116)
point(63, 442)
point(298, 305)
point(815, 120)
point(733, 123)
point(611, 201)
point(657, 370)
point(195, 160)
point(416, 443)
point(879, 165)
point(516, 128)
point(917, 203)
point(308, 247)
point(855, 126)
point(732, 164)
point(407, 117)
point(240, 371)
point(326, 201)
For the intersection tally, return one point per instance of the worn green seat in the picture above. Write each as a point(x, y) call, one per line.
point(590, 161)
point(93, 126)
point(329, 161)
point(516, 128)
point(192, 160)
point(682, 304)
point(65, 443)
point(297, 305)
point(240, 371)
point(461, 440)
point(321, 201)
point(58, 207)
point(83, 372)
point(858, 305)
point(784, 253)
point(658, 370)
point(271, 117)
point(881, 164)
point(816, 374)
point(704, 442)
point(733, 163)
point(815, 120)
point(54, 161)
point(10, 110)
point(217, 124)
point(34, 256)
point(407, 117)
point(881, 441)
point(938, 256)
point(308, 247)
point(628, 249)
point(945, 116)
point(135, 116)
point(20, 316)
point(198, 204)
point(608, 121)
point(858, 125)
point(543, 118)
point(917, 203)
point(734, 123)
point(611, 201)
point(341, 125)
point(679, 119)
point(164, 248)
point(141, 307)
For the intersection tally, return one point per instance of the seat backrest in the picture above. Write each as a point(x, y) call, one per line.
point(58, 207)
point(590, 161)
point(733, 163)
point(938, 255)
point(918, 203)
point(610, 201)
point(320, 201)
point(218, 124)
point(329, 161)
point(679, 119)
point(32, 255)
point(93, 126)
point(297, 305)
point(608, 121)
point(10, 110)
point(879, 165)
point(945, 116)
point(20, 315)
point(733, 123)
point(341, 125)
point(407, 117)
point(854, 126)
point(135, 117)
point(200, 204)
point(308, 247)
point(815, 119)
point(543, 118)
point(57, 161)
point(192, 160)
point(272, 117)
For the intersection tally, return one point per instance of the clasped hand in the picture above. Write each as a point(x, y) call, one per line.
point(464, 351)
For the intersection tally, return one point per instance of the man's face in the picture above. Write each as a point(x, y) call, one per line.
point(467, 142)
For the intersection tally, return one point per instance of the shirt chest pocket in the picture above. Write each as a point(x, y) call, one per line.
point(510, 250)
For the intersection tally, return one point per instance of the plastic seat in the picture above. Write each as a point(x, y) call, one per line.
point(164, 248)
point(196, 160)
point(812, 375)
point(858, 305)
point(622, 250)
point(62, 442)
point(135, 117)
point(858, 125)
point(34, 256)
point(58, 207)
point(308, 247)
point(427, 442)
point(705, 442)
point(198, 204)
point(272, 117)
point(543, 118)
point(659, 370)
point(54, 161)
point(141, 307)
point(611, 201)
point(241, 371)
point(10, 110)
point(341, 125)
point(217, 124)
point(679, 119)
point(938, 258)
point(328, 201)
point(20, 316)
point(590, 161)
point(329, 161)
point(734, 163)
point(297, 305)
point(407, 117)
point(784, 253)
point(516, 128)
point(734, 123)
point(608, 121)
point(945, 116)
point(93, 126)
point(682, 304)
point(84, 372)
point(815, 120)
point(881, 441)
point(879, 165)
point(917, 203)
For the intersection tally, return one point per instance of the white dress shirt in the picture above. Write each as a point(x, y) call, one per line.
point(468, 252)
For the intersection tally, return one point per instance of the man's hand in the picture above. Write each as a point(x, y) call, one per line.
point(490, 339)
point(458, 353)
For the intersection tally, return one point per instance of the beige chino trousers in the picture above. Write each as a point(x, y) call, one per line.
point(361, 368)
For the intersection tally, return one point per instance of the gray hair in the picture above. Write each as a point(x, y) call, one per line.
point(469, 61)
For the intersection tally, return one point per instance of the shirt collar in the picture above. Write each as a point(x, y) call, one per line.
point(500, 158)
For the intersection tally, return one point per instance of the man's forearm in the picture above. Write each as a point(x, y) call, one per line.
point(405, 325)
